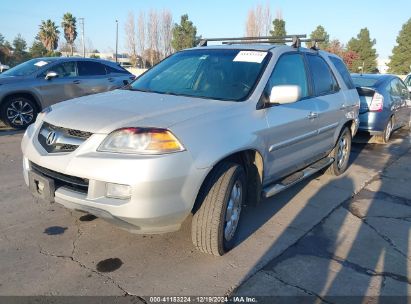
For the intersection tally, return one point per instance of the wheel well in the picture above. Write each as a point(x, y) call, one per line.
point(25, 95)
point(351, 126)
point(253, 164)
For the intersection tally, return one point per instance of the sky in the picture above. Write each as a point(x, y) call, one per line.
point(213, 18)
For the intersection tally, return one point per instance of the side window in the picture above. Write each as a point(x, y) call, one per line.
point(64, 70)
point(342, 69)
point(323, 79)
point(407, 81)
point(115, 70)
point(395, 88)
point(289, 69)
point(90, 68)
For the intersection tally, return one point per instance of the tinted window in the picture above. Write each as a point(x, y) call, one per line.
point(64, 70)
point(398, 88)
point(323, 79)
point(90, 68)
point(116, 70)
point(342, 69)
point(206, 73)
point(289, 69)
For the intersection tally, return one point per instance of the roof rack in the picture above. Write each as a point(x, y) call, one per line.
point(294, 39)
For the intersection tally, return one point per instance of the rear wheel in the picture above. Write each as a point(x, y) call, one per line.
point(341, 154)
point(18, 112)
point(385, 137)
point(221, 198)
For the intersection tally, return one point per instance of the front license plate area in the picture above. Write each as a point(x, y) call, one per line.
point(41, 187)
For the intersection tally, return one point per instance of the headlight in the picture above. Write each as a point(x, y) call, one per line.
point(141, 141)
point(41, 116)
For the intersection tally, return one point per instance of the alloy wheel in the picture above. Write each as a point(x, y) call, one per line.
point(233, 210)
point(20, 113)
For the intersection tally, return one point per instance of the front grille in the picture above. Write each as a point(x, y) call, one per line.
point(78, 133)
point(62, 180)
point(66, 140)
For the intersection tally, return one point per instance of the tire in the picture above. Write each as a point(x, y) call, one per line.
point(340, 153)
point(211, 231)
point(385, 137)
point(18, 112)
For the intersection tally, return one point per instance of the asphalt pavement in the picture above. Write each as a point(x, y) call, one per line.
point(324, 237)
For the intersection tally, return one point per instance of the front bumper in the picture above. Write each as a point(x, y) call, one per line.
point(163, 187)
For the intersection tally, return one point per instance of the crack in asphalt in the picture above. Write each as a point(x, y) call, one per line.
point(360, 269)
point(43, 252)
point(309, 292)
point(384, 237)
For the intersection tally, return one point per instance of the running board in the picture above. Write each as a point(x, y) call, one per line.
point(296, 177)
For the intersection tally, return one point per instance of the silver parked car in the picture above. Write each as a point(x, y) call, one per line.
point(204, 132)
point(30, 87)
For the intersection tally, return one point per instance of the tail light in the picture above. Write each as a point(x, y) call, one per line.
point(377, 103)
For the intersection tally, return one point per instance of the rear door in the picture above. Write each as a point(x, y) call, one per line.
point(93, 77)
point(398, 102)
point(291, 136)
point(330, 100)
point(63, 87)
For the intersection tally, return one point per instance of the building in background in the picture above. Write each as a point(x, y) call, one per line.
point(382, 65)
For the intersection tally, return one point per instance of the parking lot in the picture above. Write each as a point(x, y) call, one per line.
point(323, 237)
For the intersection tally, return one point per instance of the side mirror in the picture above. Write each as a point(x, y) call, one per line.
point(283, 94)
point(50, 75)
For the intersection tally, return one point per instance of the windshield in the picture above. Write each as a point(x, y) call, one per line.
point(215, 74)
point(26, 68)
point(365, 82)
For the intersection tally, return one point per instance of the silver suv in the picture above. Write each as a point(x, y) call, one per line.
point(204, 132)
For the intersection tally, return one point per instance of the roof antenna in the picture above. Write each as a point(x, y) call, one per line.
point(296, 42)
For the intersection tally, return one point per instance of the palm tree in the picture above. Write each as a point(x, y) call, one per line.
point(69, 27)
point(49, 35)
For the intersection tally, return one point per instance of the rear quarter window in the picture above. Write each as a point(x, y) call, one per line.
point(342, 69)
point(322, 76)
point(90, 68)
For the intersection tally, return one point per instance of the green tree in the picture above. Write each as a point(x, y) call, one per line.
point(4, 50)
point(320, 33)
point(37, 49)
point(278, 29)
point(364, 47)
point(70, 29)
point(19, 53)
point(49, 35)
point(400, 61)
point(184, 34)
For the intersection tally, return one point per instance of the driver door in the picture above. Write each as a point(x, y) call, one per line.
point(64, 86)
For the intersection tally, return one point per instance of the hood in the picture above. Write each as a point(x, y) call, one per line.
point(106, 112)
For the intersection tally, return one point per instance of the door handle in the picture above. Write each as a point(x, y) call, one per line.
point(76, 81)
point(312, 115)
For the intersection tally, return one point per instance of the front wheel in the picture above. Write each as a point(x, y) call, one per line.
point(18, 112)
point(341, 154)
point(221, 198)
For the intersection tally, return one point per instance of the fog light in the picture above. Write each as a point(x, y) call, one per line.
point(118, 191)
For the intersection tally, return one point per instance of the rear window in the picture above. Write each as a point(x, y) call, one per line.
point(364, 81)
point(90, 68)
point(324, 81)
point(342, 69)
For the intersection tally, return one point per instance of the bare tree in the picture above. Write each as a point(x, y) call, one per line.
point(153, 37)
point(258, 21)
point(131, 43)
point(141, 38)
point(166, 26)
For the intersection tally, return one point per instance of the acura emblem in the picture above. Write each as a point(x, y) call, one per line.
point(51, 138)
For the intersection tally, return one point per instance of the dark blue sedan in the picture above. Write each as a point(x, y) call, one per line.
point(385, 104)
